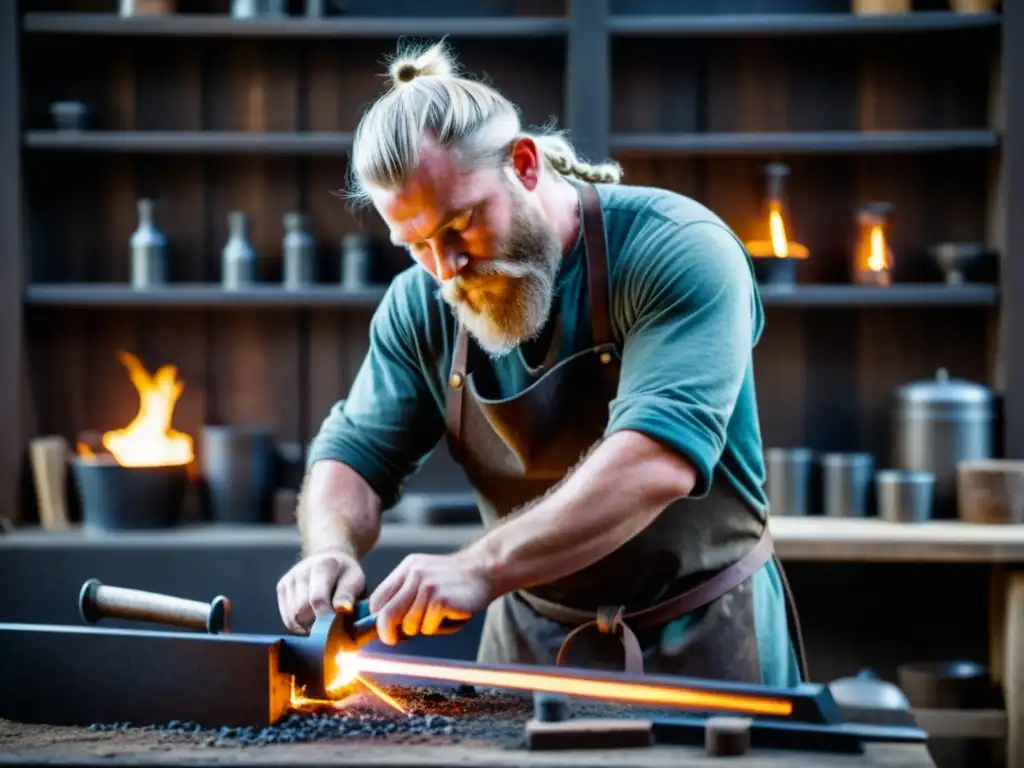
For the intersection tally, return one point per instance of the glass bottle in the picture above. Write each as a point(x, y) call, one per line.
point(872, 255)
point(148, 247)
point(238, 266)
point(299, 251)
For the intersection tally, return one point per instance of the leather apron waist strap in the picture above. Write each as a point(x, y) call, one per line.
point(615, 619)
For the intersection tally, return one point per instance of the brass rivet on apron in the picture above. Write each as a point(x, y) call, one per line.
point(456, 380)
point(606, 357)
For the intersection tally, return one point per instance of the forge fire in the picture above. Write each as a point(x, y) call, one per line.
point(149, 440)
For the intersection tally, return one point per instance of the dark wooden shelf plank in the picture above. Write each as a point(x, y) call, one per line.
point(199, 296)
point(797, 24)
point(818, 142)
point(306, 143)
point(213, 25)
point(906, 295)
point(317, 143)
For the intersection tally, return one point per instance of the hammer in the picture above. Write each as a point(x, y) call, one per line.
point(316, 656)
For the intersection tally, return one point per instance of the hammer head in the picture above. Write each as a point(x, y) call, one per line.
point(313, 659)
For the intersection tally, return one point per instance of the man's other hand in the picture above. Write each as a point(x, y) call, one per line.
point(321, 583)
point(424, 590)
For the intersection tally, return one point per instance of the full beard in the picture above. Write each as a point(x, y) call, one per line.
point(505, 301)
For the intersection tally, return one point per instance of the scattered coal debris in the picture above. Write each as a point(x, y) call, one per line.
point(432, 715)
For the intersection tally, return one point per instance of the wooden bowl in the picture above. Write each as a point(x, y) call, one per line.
point(991, 492)
point(867, 7)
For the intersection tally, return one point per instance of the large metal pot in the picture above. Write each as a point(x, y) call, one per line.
point(938, 423)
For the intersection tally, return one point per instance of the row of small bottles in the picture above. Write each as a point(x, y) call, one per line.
point(239, 258)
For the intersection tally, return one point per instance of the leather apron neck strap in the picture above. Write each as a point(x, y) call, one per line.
point(597, 265)
point(600, 322)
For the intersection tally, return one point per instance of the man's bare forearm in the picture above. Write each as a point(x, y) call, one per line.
point(338, 510)
point(615, 493)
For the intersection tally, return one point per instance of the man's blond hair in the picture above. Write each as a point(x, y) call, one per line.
point(428, 95)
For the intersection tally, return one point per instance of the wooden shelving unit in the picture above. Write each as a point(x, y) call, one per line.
point(197, 296)
point(209, 114)
point(193, 142)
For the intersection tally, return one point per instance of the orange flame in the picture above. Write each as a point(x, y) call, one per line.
point(778, 245)
point(351, 666)
point(149, 440)
point(877, 260)
point(300, 701)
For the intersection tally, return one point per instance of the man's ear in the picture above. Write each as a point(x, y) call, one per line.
point(526, 162)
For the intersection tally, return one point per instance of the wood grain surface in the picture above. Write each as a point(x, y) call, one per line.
point(41, 745)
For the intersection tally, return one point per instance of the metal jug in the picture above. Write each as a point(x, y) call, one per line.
point(938, 423)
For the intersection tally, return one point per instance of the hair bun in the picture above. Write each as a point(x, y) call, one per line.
point(406, 72)
point(434, 61)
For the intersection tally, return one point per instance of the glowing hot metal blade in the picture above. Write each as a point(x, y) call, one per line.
point(807, 703)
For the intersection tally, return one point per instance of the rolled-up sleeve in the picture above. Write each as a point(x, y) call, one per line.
point(692, 309)
point(389, 422)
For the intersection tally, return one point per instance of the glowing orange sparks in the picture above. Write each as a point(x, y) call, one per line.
point(353, 666)
point(300, 701)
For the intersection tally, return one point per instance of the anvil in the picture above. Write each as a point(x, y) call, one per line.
point(78, 675)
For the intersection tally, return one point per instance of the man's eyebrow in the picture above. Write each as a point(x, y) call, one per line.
point(445, 221)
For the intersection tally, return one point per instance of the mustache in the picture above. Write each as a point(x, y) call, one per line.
point(515, 270)
point(498, 268)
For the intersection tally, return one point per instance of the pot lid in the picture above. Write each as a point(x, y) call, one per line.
point(944, 390)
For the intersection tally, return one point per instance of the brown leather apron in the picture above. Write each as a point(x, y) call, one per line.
point(698, 557)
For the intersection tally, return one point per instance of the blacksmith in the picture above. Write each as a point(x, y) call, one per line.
point(585, 349)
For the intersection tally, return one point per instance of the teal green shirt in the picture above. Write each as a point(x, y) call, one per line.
point(685, 312)
point(686, 315)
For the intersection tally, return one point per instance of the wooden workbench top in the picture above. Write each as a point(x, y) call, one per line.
point(815, 539)
point(49, 745)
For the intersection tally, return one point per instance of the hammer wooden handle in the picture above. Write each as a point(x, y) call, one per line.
point(98, 601)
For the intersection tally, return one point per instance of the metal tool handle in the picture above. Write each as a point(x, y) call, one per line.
point(97, 601)
point(365, 625)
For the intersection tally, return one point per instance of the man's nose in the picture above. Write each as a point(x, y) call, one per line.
point(449, 262)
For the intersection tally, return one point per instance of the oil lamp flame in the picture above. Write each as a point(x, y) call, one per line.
point(873, 260)
point(777, 227)
point(876, 258)
point(778, 243)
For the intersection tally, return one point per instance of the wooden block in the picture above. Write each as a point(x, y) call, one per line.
point(589, 733)
point(727, 736)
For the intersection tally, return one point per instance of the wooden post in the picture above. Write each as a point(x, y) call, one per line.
point(11, 261)
point(1013, 670)
point(588, 79)
point(1012, 267)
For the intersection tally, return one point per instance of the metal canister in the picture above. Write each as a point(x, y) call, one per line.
point(299, 251)
point(788, 481)
point(846, 484)
point(355, 261)
point(148, 249)
point(938, 423)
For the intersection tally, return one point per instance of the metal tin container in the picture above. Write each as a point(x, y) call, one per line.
point(788, 482)
point(905, 495)
point(937, 424)
point(846, 484)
